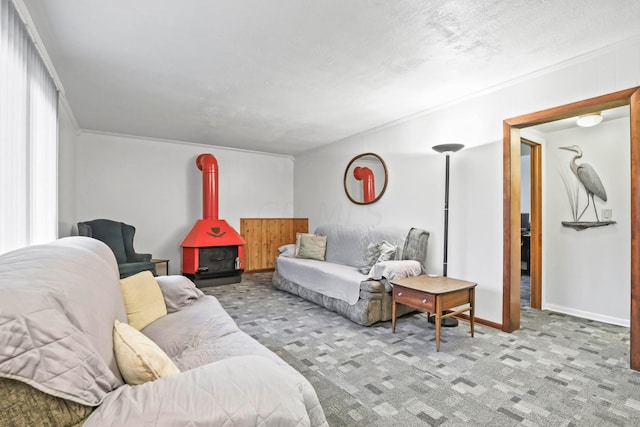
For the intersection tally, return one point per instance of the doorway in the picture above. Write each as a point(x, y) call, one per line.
point(531, 223)
point(511, 203)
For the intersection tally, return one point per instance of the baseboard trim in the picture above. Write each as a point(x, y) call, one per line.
point(261, 270)
point(587, 315)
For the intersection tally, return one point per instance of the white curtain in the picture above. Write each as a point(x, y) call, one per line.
point(28, 138)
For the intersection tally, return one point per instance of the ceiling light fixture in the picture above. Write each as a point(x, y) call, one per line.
point(589, 120)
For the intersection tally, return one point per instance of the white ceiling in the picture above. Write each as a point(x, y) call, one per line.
point(285, 76)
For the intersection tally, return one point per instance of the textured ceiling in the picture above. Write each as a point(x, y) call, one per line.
point(286, 76)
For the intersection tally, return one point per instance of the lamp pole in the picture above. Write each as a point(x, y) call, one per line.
point(446, 217)
point(447, 150)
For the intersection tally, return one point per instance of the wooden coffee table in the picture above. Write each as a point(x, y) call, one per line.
point(434, 295)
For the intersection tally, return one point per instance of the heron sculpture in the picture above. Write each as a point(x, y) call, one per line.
point(588, 178)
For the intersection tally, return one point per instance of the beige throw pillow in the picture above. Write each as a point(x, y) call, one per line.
point(139, 359)
point(143, 299)
point(312, 246)
point(297, 248)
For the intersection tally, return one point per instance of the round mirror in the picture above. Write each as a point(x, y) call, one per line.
point(365, 179)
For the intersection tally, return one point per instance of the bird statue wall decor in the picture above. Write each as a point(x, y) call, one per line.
point(590, 181)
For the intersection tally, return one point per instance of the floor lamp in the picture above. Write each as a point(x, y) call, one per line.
point(447, 149)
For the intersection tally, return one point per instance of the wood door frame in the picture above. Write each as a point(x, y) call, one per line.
point(511, 203)
point(535, 241)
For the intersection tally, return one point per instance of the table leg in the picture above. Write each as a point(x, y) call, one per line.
point(438, 321)
point(393, 317)
point(472, 303)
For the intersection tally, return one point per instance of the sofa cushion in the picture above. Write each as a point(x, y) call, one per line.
point(331, 279)
point(139, 359)
point(241, 391)
point(312, 246)
point(143, 299)
point(346, 244)
point(287, 250)
point(178, 292)
point(203, 333)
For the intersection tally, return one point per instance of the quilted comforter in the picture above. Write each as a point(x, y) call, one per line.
point(58, 303)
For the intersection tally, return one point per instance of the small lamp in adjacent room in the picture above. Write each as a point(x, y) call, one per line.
point(447, 150)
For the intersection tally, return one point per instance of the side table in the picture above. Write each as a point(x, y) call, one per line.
point(163, 271)
point(434, 295)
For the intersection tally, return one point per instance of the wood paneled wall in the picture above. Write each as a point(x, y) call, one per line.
point(264, 236)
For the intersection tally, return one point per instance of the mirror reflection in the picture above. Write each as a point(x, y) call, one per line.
point(365, 179)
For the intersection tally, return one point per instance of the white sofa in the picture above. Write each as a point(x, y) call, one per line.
point(58, 306)
point(337, 283)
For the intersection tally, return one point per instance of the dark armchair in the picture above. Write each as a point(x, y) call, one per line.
point(119, 237)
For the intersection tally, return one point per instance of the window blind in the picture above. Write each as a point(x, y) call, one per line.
point(28, 138)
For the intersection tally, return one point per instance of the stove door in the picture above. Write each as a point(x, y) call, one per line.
point(217, 261)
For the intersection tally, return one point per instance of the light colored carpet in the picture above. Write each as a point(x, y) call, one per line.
point(556, 370)
point(525, 291)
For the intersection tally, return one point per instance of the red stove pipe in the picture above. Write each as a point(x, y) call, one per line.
point(368, 187)
point(208, 164)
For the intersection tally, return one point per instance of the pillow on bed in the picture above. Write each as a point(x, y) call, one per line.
point(375, 253)
point(395, 269)
point(387, 251)
point(143, 299)
point(297, 245)
point(288, 251)
point(139, 359)
point(178, 292)
point(312, 246)
point(370, 257)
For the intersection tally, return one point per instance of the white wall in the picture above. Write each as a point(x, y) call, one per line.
point(414, 196)
point(156, 186)
point(587, 273)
